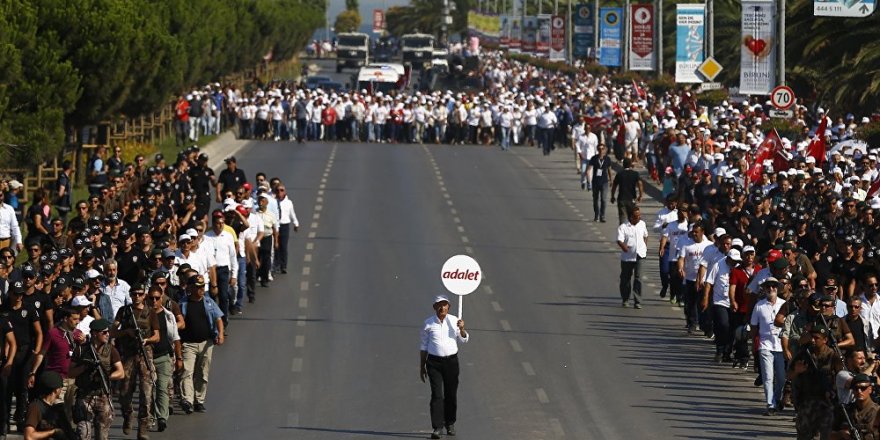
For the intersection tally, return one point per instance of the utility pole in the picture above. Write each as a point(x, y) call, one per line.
point(569, 37)
point(781, 13)
point(596, 20)
point(658, 16)
point(555, 7)
point(710, 5)
point(627, 34)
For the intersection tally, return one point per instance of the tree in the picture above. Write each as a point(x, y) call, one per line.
point(348, 21)
point(425, 16)
point(351, 5)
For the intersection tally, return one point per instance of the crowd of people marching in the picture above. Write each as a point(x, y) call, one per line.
point(764, 240)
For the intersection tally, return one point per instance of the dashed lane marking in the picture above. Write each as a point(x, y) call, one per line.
point(295, 391)
point(514, 344)
point(303, 303)
point(505, 325)
point(313, 234)
point(297, 365)
point(307, 258)
point(556, 426)
point(301, 320)
point(464, 239)
point(469, 249)
point(496, 306)
point(310, 246)
point(542, 395)
point(299, 341)
point(304, 286)
point(527, 367)
point(307, 270)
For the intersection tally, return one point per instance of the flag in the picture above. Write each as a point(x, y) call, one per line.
point(639, 90)
point(770, 149)
point(597, 121)
point(817, 146)
point(875, 187)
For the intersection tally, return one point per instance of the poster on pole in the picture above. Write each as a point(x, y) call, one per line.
point(641, 44)
point(690, 31)
point(610, 36)
point(843, 8)
point(515, 41)
point(557, 38)
point(461, 275)
point(542, 46)
point(378, 20)
point(584, 26)
point(757, 73)
point(529, 34)
point(504, 31)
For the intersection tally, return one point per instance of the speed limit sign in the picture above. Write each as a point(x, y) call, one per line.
point(782, 97)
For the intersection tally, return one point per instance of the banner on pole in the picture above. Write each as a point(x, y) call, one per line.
point(529, 34)
point(641, 44)
point(557, 38)
point(542, 45)
point(515, 40)
point(690, 33)
point(504, 32)
point(584, 31)
point(757, 73)
point(610, 36)
point(378, 20)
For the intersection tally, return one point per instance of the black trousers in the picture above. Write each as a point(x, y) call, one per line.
point(443, 375)
point(281, 253)
point(265, 255)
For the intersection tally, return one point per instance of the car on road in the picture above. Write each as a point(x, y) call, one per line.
point(313, 82)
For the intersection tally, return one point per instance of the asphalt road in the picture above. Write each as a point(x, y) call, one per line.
point(329, 351)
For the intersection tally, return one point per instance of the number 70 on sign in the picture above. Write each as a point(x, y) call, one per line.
point(782, 97)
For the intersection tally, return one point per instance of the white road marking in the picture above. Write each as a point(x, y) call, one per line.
point(319, 200)
point(319, 207)
point(488, 289)
point(295, 391)
point(297, 365)
point(310, 246)
point(292, 420)
point(307, 258)
point(542, 395)
point(320, 193)
point(469, 249)
point(453, 211)
point(321, 186)
point(323, 180)
point(456, 219)
point(449, 202)
point(303, 303)
point(304, 286)
point(556, 426)
point(461, 229)
point(496, 306)
point(313, 234)
point(514, 344)
point(314, 225)
point(301, 321)
point(306, 270)
point(316, 216)
point(528, 369)
point(505, 325)
point(299, 341)
point(464, 239)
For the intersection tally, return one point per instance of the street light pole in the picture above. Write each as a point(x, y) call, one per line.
point(659, 17)
point(710, 5)
point(781, 42)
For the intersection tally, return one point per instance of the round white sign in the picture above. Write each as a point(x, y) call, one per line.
point(782, 97)
point(461, 275)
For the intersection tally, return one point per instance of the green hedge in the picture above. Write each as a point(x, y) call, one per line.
point(65, 64)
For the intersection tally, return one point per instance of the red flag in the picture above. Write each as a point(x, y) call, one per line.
point(817, 146)
point(597, 121)
point(875, 187)
point(770, 149)
point(639, 90)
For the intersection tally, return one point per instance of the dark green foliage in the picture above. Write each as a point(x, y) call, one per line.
point(68, 63)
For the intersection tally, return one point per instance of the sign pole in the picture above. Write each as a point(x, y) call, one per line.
point(596, 24)
point(659, 17)
point(627, 34)
point(781, 13)
point(460, 306)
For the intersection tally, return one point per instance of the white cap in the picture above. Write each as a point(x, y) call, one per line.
point(184, 237)
point(737, 242)
point(92, 274)
point(720, 231)
point(733, 254)
point(192, 233)
point(718, 156)
point(811, 159)
point(15, 184)
point(440, 298)
point(80, 301)
point(748, 249)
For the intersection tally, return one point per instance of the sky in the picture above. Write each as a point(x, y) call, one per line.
point(366, 10)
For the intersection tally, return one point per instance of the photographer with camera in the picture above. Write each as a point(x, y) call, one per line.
point(135, 330)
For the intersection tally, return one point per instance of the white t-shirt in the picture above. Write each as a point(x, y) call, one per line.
point(634, 237)
point(692, 252)
point(763, 317)
point(675, 232)
point(719, 277)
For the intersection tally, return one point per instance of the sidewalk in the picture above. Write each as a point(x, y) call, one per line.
point(222, 147)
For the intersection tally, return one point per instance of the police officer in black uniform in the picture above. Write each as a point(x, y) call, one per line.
point(202, 177)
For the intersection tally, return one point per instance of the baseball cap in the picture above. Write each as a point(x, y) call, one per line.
point(769, 280)
point(440, 298)
point(80, 301)
point(734, 255)
point(91, 274)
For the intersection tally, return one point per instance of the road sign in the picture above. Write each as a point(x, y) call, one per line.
point(782, 114)
point(461, 275)
point(710, 86)
point(710, 68)
point(782, 97)
point(843, 8)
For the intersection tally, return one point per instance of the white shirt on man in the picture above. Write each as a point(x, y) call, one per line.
point(719, 277)
point(439, 338)
point(763, 317)
point(633, 236)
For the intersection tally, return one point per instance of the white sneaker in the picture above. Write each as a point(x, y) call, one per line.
point(270, 276)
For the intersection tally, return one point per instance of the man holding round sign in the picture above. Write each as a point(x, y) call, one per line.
point(441, 333)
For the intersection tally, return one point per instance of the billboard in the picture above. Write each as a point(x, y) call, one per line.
point(542, 46)
point(378, 20)
point(584, 28)
point(529, 34)
point(557, 38)
point(610, 36)
point(641, 43)
point(690, 33)
point(757, 73)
